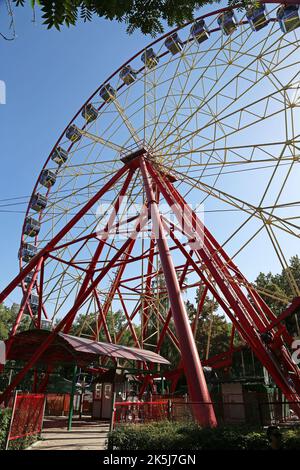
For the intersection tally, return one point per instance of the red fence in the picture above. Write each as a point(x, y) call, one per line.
point(27, 416)
point(228, 413)
point(140, 412)
point(57, 404)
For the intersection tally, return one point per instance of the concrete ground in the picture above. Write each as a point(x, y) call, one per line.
point(85, 435)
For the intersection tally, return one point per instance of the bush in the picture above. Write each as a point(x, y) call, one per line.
point(189, 436)
point(5, 415)
point(18, 444)
point(291, 439)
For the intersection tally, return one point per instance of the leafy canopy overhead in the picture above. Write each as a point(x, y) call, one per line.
point(146, 15)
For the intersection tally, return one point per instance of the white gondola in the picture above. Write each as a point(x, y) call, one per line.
point(89, 113)
point(227, 21)
point(27, 252)
point(59, 156)
point(288, 17)
point(174, 44)
point(107, 93)
point(31, 227)
point(33, 301)
point(149, 58)
point(47, 178)
point(199, 31)
point(257, 17)
point(38, 202)
point(128, 75)
point(73, 133)
point(28, 278)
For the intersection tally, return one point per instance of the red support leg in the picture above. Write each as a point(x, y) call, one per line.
point(275, 358)
point(203, 410)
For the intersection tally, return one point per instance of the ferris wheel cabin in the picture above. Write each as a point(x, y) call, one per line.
point(257, 17)
point(127, 75)
point(174, 44)
point(288, 17)
point(32, 227)
point(149, 58)
point(59, 156)
point(199, 31)
point(27, 252)
point(227, 21)
point(47, 178)
point(38, 202)
point(89, 113)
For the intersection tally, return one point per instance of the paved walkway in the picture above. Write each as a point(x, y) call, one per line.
point(85, 435)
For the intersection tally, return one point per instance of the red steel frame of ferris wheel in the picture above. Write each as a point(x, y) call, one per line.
point(249, 334)
point(228, 261)
point(80, 300)
point(174, 199)
point(162, 321)
point(147, 296)
point(216, 249)
point(208, 263)
point(248, 331)
point(40, 293)
point(99, 249)
point(164, 329)
point(116, 282)
point(204, 412)
point(199, 309)
point(51, 245)
point(106, 330)
point(129, 322)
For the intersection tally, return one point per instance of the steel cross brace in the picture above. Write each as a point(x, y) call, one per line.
point(278, 363)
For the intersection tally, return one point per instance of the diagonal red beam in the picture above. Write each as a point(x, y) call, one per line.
point(42, 348)
point(99, 249)
point(204, 412)
point(276, 359)
point(51, 245)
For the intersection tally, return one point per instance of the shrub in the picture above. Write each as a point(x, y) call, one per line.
point(291, 439)
point(18, 444)
point(5, 415)
point(189, 436)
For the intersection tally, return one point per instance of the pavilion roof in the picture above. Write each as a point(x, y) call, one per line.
point(69, 349)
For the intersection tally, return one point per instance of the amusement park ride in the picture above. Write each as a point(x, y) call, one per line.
point(218, 95)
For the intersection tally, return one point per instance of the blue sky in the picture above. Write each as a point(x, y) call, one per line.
point(48, 75)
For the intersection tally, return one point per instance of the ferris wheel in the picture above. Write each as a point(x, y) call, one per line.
point(177, 166)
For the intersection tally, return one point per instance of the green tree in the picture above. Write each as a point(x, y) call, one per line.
point(7, 319)
point(85, 325)
point(279, 289)
point(137, 14)
point(213, 331)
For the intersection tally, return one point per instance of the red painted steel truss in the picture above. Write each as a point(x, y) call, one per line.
point(217, 274)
